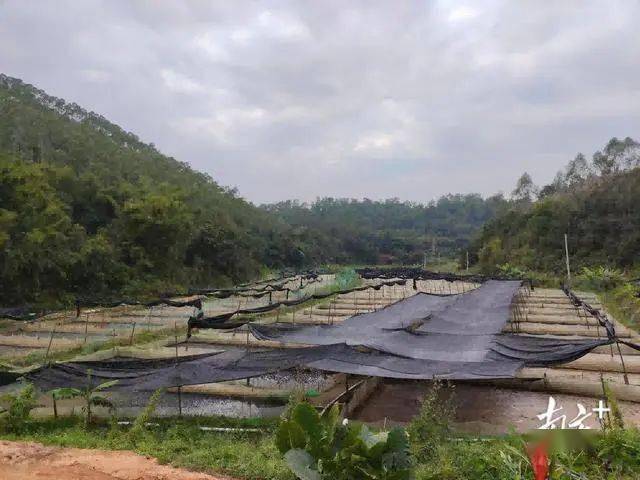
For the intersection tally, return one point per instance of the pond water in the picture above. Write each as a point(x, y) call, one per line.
point(201, 405)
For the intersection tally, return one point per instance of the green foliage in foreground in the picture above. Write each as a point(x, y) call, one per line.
point(18, 411)
point(321, 447)
point(613, 455)
point(175, 441)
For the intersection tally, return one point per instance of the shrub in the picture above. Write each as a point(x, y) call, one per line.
point(511, 271)
point(139, 426)
point(431, 427)
point(321, 447)
point(19, 409)
point(346, 278)
point(600, 278)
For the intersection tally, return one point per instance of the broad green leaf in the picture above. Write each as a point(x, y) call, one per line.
point(101, 401)
point(308, 419)
point(290, 436)
point(64, 393)
point(370, 439)
point(301, 464)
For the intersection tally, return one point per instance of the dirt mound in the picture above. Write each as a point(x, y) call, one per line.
point(33, 461)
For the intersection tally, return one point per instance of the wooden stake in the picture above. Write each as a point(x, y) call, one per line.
point(624, 368)
point(133, 331)
point(86, 328)
point(46, 355)
point(566, 252)
point(175, 336)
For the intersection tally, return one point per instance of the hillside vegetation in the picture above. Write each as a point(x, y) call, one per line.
point(391, 231)
point(595, 202)
point(88, 210)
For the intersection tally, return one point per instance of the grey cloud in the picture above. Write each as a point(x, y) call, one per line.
point(288, 99)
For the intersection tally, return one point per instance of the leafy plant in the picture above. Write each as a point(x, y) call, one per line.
point(600, 278)
point(431, 427)
point(511, 271)
point(90, 394)
point(19, 408)
point(321, 447)
point(139, 424)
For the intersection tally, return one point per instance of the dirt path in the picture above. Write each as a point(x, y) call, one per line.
point(34, 461)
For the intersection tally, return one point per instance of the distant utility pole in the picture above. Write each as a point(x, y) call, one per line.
point(566, 252)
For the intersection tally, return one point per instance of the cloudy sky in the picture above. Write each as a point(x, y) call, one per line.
point(378, 99)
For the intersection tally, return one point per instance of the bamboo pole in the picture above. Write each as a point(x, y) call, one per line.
point(46, 355)
point(133, 331)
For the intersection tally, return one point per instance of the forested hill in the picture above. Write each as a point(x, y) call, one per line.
point(594, 201)
point(88, 209)
point(391, 231)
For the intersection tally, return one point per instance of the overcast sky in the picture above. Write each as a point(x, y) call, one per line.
point(378, 99)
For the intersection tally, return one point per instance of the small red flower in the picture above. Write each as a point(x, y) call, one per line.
point(539, 461)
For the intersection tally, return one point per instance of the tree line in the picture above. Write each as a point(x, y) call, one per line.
point(391, 231)
point(593, 201)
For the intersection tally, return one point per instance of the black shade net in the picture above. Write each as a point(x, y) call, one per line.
point(423, 337)
point(219, 321)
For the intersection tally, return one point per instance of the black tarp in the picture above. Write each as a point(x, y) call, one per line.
point(441, 328)
point(217, 321)
point(423, 337)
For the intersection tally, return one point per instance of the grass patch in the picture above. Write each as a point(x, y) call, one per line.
point(176, 441)
point(614, 454)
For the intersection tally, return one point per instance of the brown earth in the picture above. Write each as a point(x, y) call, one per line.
point(34, 461)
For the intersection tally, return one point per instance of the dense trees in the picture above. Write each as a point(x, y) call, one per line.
point(367, 231)
point(594, 202)
point(87, 209)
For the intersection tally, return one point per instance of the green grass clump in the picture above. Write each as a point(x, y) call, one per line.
point(610, 455)
point(175, 441)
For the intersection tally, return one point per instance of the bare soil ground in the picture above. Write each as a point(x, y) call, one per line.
point(33, 461)
point(481, 409)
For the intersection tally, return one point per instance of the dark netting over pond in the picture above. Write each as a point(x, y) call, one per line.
point(255, 290)
point(423, 337)
point(219, 321)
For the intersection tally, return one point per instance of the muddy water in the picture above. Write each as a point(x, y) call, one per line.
point(480, 409)
point(194, 404)
point(201, 405)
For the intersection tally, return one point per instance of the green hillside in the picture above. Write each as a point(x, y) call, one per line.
point(595, 202)
point(88, 209)
point(391, 231)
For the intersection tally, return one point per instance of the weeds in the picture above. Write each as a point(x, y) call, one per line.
point(138, 428)
point(431, 427)
point(18, 411)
